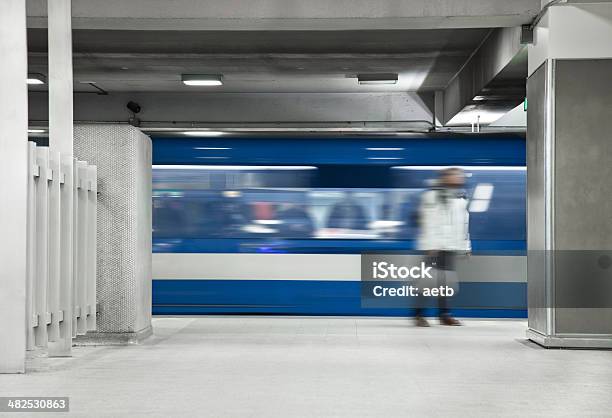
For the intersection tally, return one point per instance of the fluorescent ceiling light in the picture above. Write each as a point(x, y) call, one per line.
point(212, 148)
point(203, 133)
point(36, 131)
point(202, 79)
point(385, 149)
point(235, 167)
point(35, 78)
point(378, 78)
point(384, 158)
point(474, 116)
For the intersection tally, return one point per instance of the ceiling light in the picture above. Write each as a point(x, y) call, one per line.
point(385, 149)
point(36, 131)
point(202, 79)
point(35, 78)
point(203, 133)
point(379, 78)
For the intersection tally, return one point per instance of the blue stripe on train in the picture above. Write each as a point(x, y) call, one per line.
point(431, 149)
point(310, 297)
point(313, 246)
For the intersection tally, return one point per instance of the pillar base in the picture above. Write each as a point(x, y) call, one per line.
point(113, 338)
point(580, 342)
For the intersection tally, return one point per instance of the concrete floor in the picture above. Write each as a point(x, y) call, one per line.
point(320, 367)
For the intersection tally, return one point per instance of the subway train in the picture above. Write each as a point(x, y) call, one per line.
point(277, 225)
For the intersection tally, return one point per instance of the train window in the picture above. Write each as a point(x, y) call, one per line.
point(304, 208)
point(481, 197)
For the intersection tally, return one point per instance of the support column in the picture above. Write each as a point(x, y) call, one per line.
point(13, 184)
point(122, 155)
point(61, 141)
point(60, 77)
point(569, 159)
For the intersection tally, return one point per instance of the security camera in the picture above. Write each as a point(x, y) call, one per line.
point(133, 107)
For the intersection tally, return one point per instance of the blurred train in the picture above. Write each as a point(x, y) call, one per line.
point(277, 225)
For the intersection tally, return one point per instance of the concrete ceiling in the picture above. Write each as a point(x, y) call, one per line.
point(288, 61)
point(262, 61)
point(291, 15)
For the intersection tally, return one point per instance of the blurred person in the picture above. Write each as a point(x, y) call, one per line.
point(444, 233)
point(232, 214)
point(169, 220)
point(296, 222)
point(347, 214)
point(263, 210)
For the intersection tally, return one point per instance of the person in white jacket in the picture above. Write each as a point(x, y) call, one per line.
point(444, 233)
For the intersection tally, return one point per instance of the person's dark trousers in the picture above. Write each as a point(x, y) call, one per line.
point(444, 261)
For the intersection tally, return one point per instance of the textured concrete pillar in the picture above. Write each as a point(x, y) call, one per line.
point(13, 183)
point(122, 154)
point(569, 159)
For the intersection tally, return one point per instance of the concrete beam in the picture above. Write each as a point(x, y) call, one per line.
point(572, 31)
point(233, 108)
point(291, 14)
point(492, 80)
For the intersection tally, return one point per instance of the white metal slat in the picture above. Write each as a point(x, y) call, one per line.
point(54, 250)
point(81, 245)
point(92, 196)
point(61, 276)
point(63, 346)
point(41, 242)
point(31, 245)
point(76, 310)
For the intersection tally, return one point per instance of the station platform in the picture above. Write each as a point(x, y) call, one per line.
point(242, 366)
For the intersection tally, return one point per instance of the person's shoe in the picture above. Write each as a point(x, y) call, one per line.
point(450, 321)
point(419, 321)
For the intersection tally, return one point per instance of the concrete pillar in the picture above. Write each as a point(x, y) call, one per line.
point(60, 76)
point(569, 159)
point(60, 126)
point(122, 154)
point(13, 184)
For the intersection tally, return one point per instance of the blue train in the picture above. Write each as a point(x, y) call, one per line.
point(277, 225)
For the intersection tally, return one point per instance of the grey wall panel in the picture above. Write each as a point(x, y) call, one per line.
point(583, 190)
point(536, 192)
point(123, 157)
point(583, 166)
